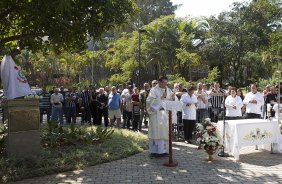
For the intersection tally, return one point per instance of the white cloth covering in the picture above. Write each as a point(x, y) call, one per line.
point(250, 132)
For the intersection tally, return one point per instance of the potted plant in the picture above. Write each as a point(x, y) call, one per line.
point(208, 137)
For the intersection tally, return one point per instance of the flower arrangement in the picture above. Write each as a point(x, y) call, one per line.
point(208, 135)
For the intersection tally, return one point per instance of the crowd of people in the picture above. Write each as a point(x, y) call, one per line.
point(200, 102)
point(122, 106)
point(127, 107)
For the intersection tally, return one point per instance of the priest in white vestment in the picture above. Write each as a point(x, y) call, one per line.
point(158, 118)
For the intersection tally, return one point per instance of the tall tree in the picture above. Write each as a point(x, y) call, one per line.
point(153, 9)
point(163, 47)
point(238, 37)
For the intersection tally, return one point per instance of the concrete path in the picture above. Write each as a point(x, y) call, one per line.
point(255, 166)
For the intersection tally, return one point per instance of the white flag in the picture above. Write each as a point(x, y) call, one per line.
point(14, 82)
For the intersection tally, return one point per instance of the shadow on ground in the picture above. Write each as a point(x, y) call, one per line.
point(254, 167)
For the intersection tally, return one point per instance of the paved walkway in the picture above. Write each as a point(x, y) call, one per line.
point(255, 166)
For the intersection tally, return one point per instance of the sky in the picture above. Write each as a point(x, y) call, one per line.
point(197, 8)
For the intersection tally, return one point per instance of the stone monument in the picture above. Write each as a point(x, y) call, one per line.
point(23, 138)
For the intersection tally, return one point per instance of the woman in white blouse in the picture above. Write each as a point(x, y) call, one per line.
point(189, 102)
point(233, 104)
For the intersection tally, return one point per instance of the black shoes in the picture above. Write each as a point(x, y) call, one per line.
point(155, 155)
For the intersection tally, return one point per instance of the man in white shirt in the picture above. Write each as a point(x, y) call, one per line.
point(202, 107)
point(253, 100)
point(189, 102)
point(127, 97)
point(57, 106)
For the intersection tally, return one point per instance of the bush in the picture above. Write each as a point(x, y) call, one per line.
point(113, 144)
point(55, 135)
point(3, 134)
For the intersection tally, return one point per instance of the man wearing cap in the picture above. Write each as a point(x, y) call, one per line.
point(158, 118)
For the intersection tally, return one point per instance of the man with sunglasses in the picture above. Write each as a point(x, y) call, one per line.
point(154, 83)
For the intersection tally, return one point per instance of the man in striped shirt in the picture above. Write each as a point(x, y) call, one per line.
point(70, 106)
point(45, 105)
point(217, 100)
point(85, 106)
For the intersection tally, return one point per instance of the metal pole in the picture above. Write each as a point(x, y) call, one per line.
point(139, 56)
point(139, 61)
point(278, 100)
point(92, 65)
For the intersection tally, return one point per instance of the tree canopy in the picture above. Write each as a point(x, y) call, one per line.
point(62, 23)
point(238, 46)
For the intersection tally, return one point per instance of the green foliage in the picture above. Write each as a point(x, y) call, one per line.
point(67, 24)
point(121, 144)
point(173, 79)
point(167, 47)
point(57, 135)
point(81, 85)
point(212, 76)
point(3, 135)
point(239, 38)
point(103, 134)
point(151, 10)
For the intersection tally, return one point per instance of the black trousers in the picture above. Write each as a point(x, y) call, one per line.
point(128, 119)
point(103, 112)
point(94, 112)
point(85, 115)
point(189, 126)
point(253, 116)
point(232, 117)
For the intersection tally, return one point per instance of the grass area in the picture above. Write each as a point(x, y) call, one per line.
point(121, 144)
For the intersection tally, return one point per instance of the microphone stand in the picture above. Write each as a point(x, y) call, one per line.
point(222, 153)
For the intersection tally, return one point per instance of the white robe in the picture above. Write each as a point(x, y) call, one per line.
point(158, 120)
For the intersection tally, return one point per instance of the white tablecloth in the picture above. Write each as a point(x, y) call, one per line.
point(250, 132)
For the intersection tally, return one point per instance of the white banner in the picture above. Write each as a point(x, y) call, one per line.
point(14, 82)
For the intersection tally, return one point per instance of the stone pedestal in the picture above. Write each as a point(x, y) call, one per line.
point(23, 127)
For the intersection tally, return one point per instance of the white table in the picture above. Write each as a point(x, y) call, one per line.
point(250, 132)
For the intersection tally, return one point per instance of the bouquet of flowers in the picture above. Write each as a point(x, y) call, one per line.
point(208, 135)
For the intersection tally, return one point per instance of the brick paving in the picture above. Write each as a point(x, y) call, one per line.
point(254, 166)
